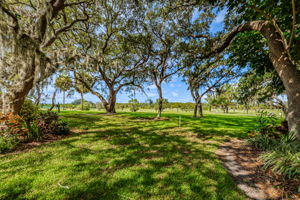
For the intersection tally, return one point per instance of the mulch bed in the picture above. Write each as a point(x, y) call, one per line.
point(242, 161)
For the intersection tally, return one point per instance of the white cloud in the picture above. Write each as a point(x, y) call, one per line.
point(175, 94)
point(151, 94)
point(172, 85)
point(220, 17)
point(151, 87)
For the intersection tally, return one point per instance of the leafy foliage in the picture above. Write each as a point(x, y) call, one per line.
point(29, 112)
point(63, 82)
point(11, 129)
point(281, 155)
point(134, 105)
point(49, 123)
point(266, 123)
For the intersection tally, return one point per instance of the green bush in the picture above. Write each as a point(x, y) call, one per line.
point(134, 105)
point(266, 123)
point(29, 112)
point(7, 142)
point(34, 133)
point(11, 130)
point(281, 155)
point(86, 106)
point(283, 162)
point(49, 124)
point(262, 142)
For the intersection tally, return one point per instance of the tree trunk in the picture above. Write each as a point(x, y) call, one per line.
point(200, 109)
point(53, 100)
point(284, 66)
point(82, 101)
point(160, 101)
point(195, 109)
point(64, 97)
point(111, 106)
point(39, 94)
point(14, 98)
point(289, 75)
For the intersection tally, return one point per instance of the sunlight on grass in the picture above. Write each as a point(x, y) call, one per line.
point(127, 156)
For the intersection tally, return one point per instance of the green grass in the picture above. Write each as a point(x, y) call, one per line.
point(127, 156)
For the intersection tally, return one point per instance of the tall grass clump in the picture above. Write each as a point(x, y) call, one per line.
point(281, 155)
point(281, 149)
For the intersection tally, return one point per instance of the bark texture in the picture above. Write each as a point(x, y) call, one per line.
point(284, 66)
point(160, 101)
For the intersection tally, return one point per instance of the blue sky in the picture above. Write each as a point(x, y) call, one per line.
point(175, 90)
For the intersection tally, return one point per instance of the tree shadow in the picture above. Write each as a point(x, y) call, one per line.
point(124, 159)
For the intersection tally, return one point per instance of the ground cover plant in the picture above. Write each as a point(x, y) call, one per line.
point(31, 125)
point(127, 156)
point(281, 150)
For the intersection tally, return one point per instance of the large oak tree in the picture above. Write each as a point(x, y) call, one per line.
point(31, 37)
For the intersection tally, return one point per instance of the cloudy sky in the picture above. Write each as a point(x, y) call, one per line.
point(175, 90)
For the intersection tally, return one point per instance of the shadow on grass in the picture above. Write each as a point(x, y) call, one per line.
point(124, 159)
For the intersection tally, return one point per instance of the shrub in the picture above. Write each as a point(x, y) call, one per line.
point(134, 105)
point(12, 125)
point(283, 162)
point(29, 112)
point(85, 107)
point(49, 123)
point(11, 131)
point(281, 155)
point(262, 142)
point(7, 142)
point(266, 123)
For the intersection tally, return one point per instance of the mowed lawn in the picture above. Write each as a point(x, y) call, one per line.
point(127, 156)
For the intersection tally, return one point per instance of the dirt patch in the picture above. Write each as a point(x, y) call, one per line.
point(242, 161)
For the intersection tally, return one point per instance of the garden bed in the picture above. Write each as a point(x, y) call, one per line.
point(242, 161)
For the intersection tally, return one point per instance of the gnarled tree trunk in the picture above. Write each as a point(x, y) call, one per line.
point(111, 105)
point(284, 66)
point(160, 101)
point(198, 108)
point(195, 110)
point(288, 73)
point(14, 98)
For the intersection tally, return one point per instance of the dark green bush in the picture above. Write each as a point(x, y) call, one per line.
point(49, 123)
point(281, 155)
point(7, 142)
point(266, 123)
point(263, 142)
point(29, 112)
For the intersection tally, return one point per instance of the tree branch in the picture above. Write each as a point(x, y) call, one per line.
point(63, 29)
point(13, 16)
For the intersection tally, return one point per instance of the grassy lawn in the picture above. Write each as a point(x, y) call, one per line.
point(127, 156)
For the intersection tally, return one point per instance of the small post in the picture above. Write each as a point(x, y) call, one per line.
point(179, 121)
